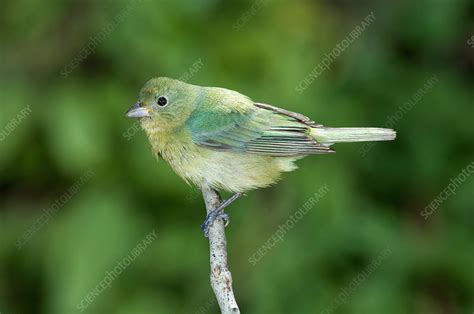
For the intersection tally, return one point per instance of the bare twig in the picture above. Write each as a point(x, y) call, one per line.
point(221, 278)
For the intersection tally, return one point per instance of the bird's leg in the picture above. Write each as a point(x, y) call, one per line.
point(219, 213)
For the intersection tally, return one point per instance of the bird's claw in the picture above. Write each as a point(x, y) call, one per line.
point(213, 216)
point(219, 213)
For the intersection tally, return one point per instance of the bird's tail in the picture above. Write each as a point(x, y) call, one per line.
point(329, 136)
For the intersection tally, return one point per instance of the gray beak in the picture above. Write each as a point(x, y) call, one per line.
point(137, 112)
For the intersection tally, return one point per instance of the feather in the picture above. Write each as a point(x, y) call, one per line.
point(260, 129)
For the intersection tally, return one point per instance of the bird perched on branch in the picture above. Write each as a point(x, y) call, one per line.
point(222, 139)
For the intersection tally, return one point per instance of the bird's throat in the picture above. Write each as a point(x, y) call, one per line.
point(168, 144)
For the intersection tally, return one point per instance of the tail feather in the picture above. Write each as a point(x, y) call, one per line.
point(329, 136)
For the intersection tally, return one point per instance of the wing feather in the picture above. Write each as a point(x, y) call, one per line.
point(262, 130)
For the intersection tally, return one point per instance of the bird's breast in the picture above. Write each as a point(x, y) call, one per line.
point(178, 150)
point(231, 171)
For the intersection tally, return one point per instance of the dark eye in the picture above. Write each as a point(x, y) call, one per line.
point(162, 101)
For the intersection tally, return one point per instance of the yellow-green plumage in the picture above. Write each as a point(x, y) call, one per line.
point(229, 171)
point(221, 138)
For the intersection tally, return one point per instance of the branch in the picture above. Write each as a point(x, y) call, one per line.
point(221, 278)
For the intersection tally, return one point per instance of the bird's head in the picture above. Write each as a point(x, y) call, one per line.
point(164, 102)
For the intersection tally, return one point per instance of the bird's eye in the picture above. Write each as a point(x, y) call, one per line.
point(162, 101)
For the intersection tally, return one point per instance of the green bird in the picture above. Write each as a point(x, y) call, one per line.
point(220, 138)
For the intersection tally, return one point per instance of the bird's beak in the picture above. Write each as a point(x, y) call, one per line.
point(137, 112)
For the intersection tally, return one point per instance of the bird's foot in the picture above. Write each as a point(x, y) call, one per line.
point(213, 216)
point(219, 213)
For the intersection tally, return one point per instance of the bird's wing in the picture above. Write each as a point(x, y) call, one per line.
point(261, 130)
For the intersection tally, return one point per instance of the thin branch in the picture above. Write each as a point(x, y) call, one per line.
point(221, 278)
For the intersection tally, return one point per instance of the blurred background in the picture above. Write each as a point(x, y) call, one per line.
point(81, 191)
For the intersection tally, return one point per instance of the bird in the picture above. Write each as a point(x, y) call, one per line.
point(221, 139)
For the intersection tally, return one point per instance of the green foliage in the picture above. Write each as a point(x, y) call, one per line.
point(79, 65)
